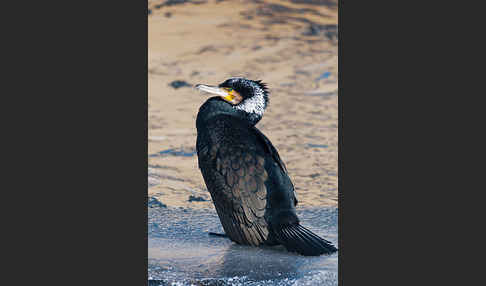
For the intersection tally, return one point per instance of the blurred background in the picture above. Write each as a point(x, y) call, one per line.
point(291, 45)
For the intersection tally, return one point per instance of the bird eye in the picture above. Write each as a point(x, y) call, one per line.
point(228, 89)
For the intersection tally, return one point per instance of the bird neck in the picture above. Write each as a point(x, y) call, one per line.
point(216, 107)
point(254, 105)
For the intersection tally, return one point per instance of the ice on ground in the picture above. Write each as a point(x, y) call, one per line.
point(182, 253)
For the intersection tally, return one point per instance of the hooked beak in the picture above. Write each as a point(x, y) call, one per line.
point(212, 89)
point(229, 95)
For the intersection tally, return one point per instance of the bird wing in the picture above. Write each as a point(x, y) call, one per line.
point(270, 149)
point(273, 152)
point(235, 176)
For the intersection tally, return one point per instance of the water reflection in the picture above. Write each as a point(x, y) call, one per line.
point(257, 263)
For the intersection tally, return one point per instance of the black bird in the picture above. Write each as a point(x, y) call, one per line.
point(252, 193)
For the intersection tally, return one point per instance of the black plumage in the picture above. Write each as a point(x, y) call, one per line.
point(248, 182)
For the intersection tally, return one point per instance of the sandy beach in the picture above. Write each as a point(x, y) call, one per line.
point(290, 45)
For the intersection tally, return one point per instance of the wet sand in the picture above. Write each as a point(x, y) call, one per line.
point(291, 45)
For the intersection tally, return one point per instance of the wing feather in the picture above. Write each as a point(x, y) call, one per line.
point(235, 176)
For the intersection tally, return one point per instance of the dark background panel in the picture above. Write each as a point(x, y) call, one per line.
point(75, 176)
point(379, 156)
point(403, 150)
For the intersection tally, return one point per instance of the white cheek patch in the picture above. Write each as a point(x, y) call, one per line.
point(255, 104)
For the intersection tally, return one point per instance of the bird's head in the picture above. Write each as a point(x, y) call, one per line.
point(248, 96)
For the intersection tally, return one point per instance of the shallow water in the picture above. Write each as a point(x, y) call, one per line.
point(182, 253)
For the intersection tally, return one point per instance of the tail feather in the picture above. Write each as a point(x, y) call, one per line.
point(292, 244)
point(297, 238)
point(309, 239)
point(313, 234)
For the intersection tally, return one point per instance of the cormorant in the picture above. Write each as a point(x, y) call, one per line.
point(252, 193)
